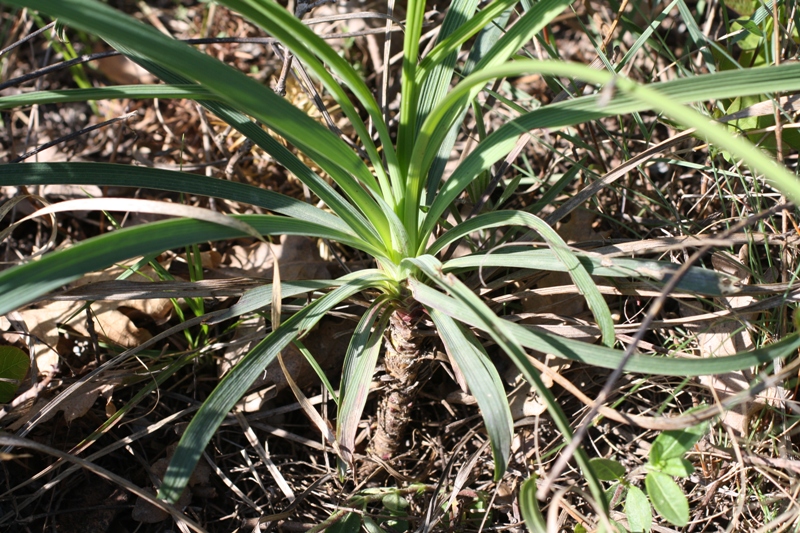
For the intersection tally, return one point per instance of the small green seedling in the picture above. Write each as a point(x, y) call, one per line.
point(393, 518)
point(666, 460)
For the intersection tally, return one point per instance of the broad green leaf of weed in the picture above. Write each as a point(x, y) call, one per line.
point(743, 7)
point(396, 505)
point(351, 523)
point(677, 466)
point(607, 469)
point(370, 526)
point(14, 364)
point(668, 498)
point(672, 444)
point(638, 512)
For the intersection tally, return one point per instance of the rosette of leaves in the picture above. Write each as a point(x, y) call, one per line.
point(390, 199)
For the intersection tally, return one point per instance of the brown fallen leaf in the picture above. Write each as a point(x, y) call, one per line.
point(123, 71)
point(44, 320)
point(298, 258)
point(79, 402)
point(727, 336)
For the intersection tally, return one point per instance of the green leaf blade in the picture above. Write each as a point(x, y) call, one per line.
point(607, 469)
point(674, 444)
point(357, 370)
point(14, 365)
point(484, 384)
point(667, 498)
point(638, 512)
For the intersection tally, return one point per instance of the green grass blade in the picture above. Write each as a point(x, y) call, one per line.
point(697, 34)
point(135, 92)
point(542, 341)
point(484, 384)
point(108, 174)
point(359, 366)
point(231, 388)
point(318, 370)
point(529, 506)
point(22, 284)
point(697, 280)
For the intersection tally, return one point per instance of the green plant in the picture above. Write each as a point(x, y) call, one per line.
point(665, 461)
point(14, 365)
point(392, 205)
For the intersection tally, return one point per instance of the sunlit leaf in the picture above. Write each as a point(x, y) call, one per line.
point(638, 512)
point(667, 498)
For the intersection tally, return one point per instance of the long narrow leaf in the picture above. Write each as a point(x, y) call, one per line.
point(136, 92)
point(107, 174)
point(542, 341)
point(533, 21)
point(498, 329)
point(22, 284)
point(437, 81)
point(721, 85)
point(236, 382)
point(357, 371)
point(134, 38)
point(569, 260)
point(406, 130)
point(307, 45)
point(485, 41)
point(244, 125)
point(697, 280)
point(484, 384)
point(261, 297)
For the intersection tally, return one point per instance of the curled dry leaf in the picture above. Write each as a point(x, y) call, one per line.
point(298, 257)
point(109, 322)
point(79, 403)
